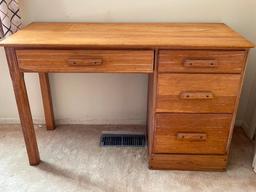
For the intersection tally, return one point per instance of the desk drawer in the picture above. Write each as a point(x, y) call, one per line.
point(130, 61)
point(192, 133)
point(197, 93)
point(201, 61)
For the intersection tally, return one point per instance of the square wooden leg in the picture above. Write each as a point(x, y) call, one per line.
point(23, 107)
point(47, 101)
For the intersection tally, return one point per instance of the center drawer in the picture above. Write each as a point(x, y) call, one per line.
point(130, 61)
point(191, 133)
point(197, 93)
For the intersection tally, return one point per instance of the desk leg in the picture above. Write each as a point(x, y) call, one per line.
point(23, 107)
point(47, 101)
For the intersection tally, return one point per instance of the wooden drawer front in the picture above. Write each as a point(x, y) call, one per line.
point(201, 61)
point(86, 60)
point(192, 133)
point(197, 93)
point(188, 162)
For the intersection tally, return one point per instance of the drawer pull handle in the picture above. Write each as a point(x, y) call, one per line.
point(85, 61)
point(200, 63)
point(197, 95)
point(192, 136)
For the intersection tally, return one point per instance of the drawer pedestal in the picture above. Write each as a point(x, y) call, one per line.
point(194, 98)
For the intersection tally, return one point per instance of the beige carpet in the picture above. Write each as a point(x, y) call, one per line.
point(73, 161)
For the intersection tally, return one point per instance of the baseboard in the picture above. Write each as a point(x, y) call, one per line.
point(79, 121)
point(244, 125)
point(17, 121)
point(241, 123)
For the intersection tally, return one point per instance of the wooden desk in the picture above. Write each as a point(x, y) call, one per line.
point(195, 78)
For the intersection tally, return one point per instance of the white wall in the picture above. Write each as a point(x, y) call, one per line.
point(88, 98)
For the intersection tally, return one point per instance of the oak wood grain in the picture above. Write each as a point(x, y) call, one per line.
point(23, 107)
point(224, 87)
point(128, 35)
point(107, 61)
point(47, 101)
point(152, 86)
point(188, 162)
point(237, 103)
point(212, 128)
point(201, 61)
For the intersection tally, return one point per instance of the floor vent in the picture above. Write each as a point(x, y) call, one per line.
point(123, 139)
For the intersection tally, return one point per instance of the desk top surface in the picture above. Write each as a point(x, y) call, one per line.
point(127, 35)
